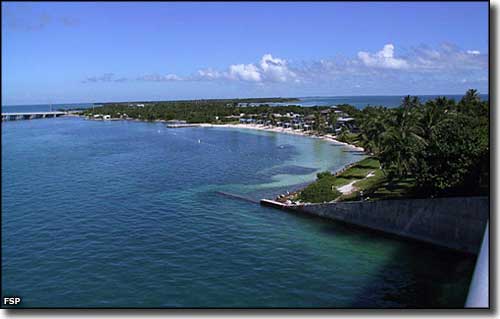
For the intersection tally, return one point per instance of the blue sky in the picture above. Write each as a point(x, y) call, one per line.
point(88, 52)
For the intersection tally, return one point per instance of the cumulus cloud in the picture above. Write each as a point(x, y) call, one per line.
point(383, 58)
point(418, 65)
point(269, 69)
point(244, 72)
point(275, 69)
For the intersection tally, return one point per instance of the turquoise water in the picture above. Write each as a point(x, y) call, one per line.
point(127, 214)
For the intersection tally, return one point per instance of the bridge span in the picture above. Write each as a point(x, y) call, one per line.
point(31, 115)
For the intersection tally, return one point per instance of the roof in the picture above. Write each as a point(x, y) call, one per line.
point(345, 119)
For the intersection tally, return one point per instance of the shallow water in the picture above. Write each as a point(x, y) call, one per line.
point(126, 214)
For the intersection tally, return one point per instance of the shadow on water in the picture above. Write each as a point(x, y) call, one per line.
point(443, 283)
point(413, 274)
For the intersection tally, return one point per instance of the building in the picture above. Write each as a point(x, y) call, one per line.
point(348, 122)
point(176, 122)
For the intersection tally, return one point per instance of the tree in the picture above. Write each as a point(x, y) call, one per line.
point(402, 140)
point(372, 123)
point(456, 158)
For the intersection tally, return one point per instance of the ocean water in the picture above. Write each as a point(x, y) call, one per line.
point(357, 101)
point(362, 101)
point(128, 214)
point(373, 100)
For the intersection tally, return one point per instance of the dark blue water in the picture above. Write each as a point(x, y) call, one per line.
point(357, 101)
point(126, 214)
point(363, 101)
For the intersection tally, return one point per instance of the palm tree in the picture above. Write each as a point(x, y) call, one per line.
point(372, 125)
point(403, 139)
point(432, 113)
point(470, 101)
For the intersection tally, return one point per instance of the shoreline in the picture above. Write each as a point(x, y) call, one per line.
point(260, 127)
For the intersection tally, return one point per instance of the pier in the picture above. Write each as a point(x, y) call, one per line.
point(31, 115)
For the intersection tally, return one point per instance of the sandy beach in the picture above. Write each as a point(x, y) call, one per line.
point(260, 127)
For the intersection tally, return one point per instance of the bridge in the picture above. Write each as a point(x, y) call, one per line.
point(31, 115)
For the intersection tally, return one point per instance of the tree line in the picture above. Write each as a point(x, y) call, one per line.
point(442, 144)
point(197, 111)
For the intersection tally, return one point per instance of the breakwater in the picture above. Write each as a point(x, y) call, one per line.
point(457, 223)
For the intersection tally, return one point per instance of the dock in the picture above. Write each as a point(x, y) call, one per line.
point(31, 115)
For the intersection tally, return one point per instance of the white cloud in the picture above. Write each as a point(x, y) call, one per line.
point(208, 74)
point(275, 69)
point(172, 77)
point(473, 52)
point(419, 65)
point(446, 57)
point(106, 77)
point(160, 78)
point(269, 69)
point(383, 58)
point(244, 72)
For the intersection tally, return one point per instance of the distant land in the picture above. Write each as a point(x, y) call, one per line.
point(358, 101)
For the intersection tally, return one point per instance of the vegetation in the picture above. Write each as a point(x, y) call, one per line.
point(442, 145)
point(323, 190)
point(325, 187)
point(197, 111)
point(439, 148)
point(347, 137)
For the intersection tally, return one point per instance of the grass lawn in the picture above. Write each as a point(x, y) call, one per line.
point(375, 187)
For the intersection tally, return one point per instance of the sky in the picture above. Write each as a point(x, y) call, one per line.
point(70, 52)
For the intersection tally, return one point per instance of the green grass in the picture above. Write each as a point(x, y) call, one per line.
point(324, 189)
point(376, 187)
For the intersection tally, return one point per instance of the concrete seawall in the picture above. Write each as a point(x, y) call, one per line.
point(457, 223)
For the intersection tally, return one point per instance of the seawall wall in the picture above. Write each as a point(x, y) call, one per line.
point(457, 223)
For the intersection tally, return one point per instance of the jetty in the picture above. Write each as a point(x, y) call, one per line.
point(31, 115)
point(275, 204)
point(237, 196)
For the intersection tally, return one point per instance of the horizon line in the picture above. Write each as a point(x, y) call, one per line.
point(241, 98)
